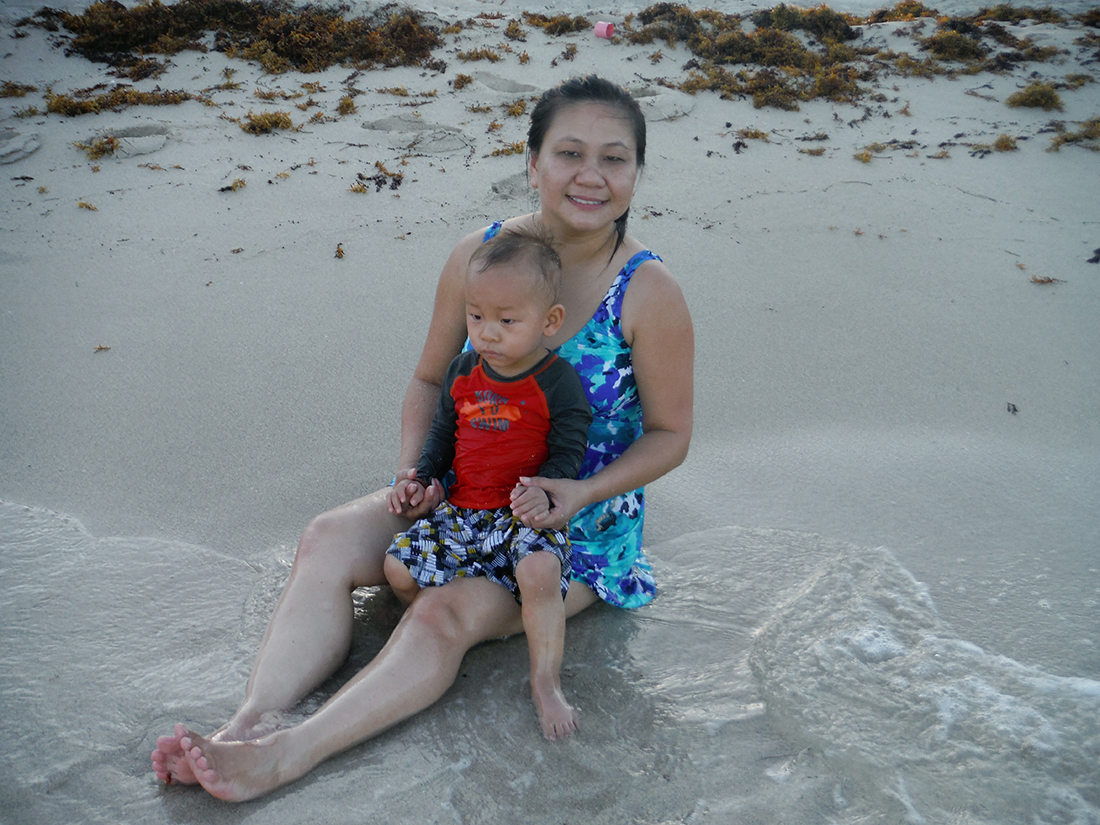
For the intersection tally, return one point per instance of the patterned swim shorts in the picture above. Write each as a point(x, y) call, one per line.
point(456, 542)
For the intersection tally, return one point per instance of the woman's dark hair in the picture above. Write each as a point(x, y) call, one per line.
point(588, 89)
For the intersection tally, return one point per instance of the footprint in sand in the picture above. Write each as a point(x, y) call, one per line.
point(15, 145)
point(134, 141)
point(502, 84)
point(416, 134)
point(513, 187)
point(665, 106)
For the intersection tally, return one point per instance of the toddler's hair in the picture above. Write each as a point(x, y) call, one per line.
point(516, 246)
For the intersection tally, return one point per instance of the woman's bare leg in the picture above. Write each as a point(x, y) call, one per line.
point(309, 633)
point(414, 669)
point(539, 578)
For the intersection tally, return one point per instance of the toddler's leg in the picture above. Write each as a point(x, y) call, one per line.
point(539, 578)
point(401, 580)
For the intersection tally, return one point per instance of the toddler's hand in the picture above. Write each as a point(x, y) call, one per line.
point(405, 497)
point(529, 503)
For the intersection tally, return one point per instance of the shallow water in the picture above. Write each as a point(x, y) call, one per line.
point(808, 681)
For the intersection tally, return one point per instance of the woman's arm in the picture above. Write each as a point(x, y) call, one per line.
point(446, 334)
point(657, 324)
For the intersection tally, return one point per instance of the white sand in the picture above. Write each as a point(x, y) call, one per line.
point(198, 365)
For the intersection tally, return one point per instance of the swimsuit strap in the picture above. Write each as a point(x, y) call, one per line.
point(614, 298)
point(492, 231)
point(636, 261)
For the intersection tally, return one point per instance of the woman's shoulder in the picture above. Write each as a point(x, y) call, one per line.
point(649, 274)
point(653, 293)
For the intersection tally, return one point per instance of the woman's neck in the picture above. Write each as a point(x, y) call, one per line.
point(580, 251)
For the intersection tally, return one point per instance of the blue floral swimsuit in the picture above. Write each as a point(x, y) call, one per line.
point(607, 536)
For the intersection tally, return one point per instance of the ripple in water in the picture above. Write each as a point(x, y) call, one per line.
point(779, 677)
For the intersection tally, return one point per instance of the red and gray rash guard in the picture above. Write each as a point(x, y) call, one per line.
point(491, 430)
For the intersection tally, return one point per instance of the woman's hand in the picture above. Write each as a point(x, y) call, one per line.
point(566, 498)
point(410, 498)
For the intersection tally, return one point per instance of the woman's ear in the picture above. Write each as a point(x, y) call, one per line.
point(555, 317)
point(532, 170)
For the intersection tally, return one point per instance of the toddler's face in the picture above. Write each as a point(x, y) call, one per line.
point(507, 315)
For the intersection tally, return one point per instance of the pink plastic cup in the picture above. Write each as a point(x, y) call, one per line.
point(605, 30)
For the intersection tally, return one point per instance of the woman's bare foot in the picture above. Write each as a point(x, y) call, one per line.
point(237, 771)
point(170, 762)
point(557, 717)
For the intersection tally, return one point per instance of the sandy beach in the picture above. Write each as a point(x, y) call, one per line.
point(888, 522)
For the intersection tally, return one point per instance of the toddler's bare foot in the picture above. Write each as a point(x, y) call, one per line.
point(237, 771)
point(557, 717)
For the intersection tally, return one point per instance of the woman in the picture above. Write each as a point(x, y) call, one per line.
point(634, 351)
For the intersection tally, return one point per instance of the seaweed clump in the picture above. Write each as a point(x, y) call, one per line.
point(1087, 136)
point(949, 44)
point(100, 147)
point(272, 32)
point(558, 24)
point(12, 89)
point(1006, 13)
point(903, 12)
point(1036, 95)
point(84, 103)
point(266, 123)
point(789, 72)
point(821, 22)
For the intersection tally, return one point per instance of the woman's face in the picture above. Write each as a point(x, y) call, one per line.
point(587, 167)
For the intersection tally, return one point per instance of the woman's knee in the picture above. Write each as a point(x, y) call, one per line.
point(435, 612)
point(349, 541)
point(466, 612)
point(321, 535)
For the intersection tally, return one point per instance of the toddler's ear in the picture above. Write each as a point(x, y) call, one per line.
point(555, 316)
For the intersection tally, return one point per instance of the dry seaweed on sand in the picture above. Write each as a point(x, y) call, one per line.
point(821, 22)
point(382, 178)
point(275, 33)
point(789, 72)
point(11, 89)
point(265, 123)
point(83, 103)
point(1088, 136)
point(1006, 13)
point(98, 148)
point(558, 24)
point(479, 54)
point(1036, 95)
point(902, 12)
